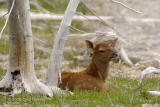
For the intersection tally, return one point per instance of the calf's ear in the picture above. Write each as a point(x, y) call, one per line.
point(89, 44)
point(113, 42)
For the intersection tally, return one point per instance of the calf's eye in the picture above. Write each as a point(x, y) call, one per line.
point(101, 51)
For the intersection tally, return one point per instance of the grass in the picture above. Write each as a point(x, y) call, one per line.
point(4, 47)
point(2, 72)
point(40, 54)
point(3, 6)
point(33, 7)
point(120, 94)
point(59, 6)
point(55, 6)
point(73, 60)
point(79, 25)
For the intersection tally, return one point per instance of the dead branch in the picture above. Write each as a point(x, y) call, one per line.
point(106, 23)
point(156, 93)
point(81, 35)
point(96, 15)
point(148, 70)
point(2, 1)
point(40, 16)
point(81, 17)
point(124, 5)
point(73, 28)
point(81, 14)
point(7, 18)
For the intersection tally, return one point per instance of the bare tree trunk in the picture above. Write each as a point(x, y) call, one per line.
point(54, 67)
point(20, 75)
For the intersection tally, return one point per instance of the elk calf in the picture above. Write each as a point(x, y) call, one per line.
point(95, 75)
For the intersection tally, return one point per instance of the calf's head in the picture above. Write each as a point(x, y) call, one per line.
point(103, 52)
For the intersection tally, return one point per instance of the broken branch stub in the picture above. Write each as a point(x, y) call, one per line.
point(148, 70)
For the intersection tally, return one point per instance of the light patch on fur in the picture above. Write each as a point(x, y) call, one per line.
point(100, 75)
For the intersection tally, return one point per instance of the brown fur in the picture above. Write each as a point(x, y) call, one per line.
point(95, 75)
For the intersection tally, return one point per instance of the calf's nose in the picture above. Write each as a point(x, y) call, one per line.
point(114, 55)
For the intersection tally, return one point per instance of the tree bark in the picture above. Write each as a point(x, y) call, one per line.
point(54, 67)
point(20, 75)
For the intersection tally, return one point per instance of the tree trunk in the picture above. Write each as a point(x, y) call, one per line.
point(54, 67)
point(20, 75)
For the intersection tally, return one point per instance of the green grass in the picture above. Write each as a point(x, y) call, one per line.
point(33, 7)
point(3, 6)
point(47, 29)
point(55, 6)
point(78, 25)
point(4, 47)
point(2, 22)
point(2, 73)
point(59, 6)
point(120, 94)
point(40, 54)
point(74, 62)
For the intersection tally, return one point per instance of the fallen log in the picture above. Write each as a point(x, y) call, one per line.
point(2, 1)
point(46, 16)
